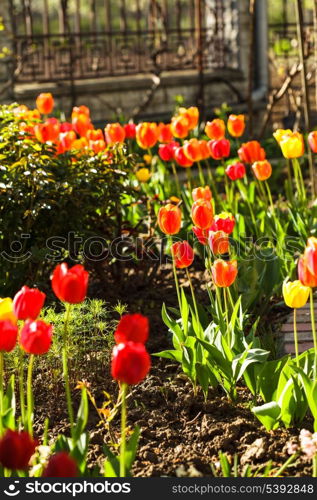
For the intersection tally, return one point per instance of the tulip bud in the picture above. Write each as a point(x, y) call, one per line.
point(45, 103)
point(61, 464)
point(235, 171)
point(219, 149)
point(311, 255)
point(130, 130)
point(114, 133)
point(143, 174)
point(181, 159)
point(250, 152)
point(295, 294)
point(28, 302)
point(169, 219)
point(16, 449)
point(70, 285)
point(202, 214)
point(223, 222)
point(146, 135)
point(8, 335)
point(183, 254)
point(36, 337)
point(236, 125)
point(215, 130)
point(201, 234)
point(292, 146)
point(202, 193)
point(304, 274)
point(130, 363)
point(179, 127)
point(224, 272)
point(192, 150)
point(132, 327)
point(262, 170)
point(191, 115)
point(312, 141)
point(6, 310)
point(218, 242)
point(166, 151)
point(164, 132)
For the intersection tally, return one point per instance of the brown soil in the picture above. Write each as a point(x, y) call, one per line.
point(182, 434)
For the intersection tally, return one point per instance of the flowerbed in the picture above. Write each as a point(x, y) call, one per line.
point(138, 196)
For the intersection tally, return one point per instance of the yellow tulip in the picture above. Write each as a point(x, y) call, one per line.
point(6, 310)
point(280, 133)
point(147, 159)
point(143, 174)
point(295, 294)
point(292, 146)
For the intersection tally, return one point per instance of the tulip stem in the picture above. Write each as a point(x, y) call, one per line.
point(189, 178)
point(21, 386)
point(176, 179)
point(227, 314)
point(30, 396)
point(193, 295)
point(201, 174)
point(124, 388)
point(296, 337)
point(65, 368)
point(270, 196)
point(1, 392)
point(313, 324)
point(290, 183)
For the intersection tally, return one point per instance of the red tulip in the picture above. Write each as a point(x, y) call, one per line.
point(45, 103)
point(70, 285)
point(202, 193)
point(66, 140)
point(36, 337)
point(181, 159)
point(169, 219)
point(202, 214)
point(218, 242)
point(8, 335)
point(250, 152)
point(28, 302)
point(304, 274)
point(132, 327)
point(114, 133)
point(201, 234)
point(130, 130)
point(183, 254)
point(310, 255)
point(16, 449)
point(312, 141)
point(130, 363)
point(146, 134)
point(66, 127)
point(215, 129)
point(61, 464)
point(223, 222)
point(224, 272)
point(166, 151)
point(235, 171)
point(219, 149)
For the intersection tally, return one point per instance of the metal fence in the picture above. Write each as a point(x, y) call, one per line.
point(79, 39)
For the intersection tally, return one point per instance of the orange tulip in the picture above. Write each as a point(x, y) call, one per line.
point(192, 116)
point(305, 276)
point(66, 140)
point(218, 242)
point(33, 115)
point(192, 150)
point(236, 125)
point(312, 141)
point(95, 135)
point(80, 110)
point(202, 193)
point(169, 219)
point(250, 152)
point(47, 131)
point(179, 127)
point(262, 170)
point(81, 123)
point(202, 214)
point(164, 132)
point(80, 144)
point(224, 272)
point(45, 103)
point(204, 150)
point(215, 129)
point(181, 159)
point(97, 146)
point(114, 133)
point(147, 134)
